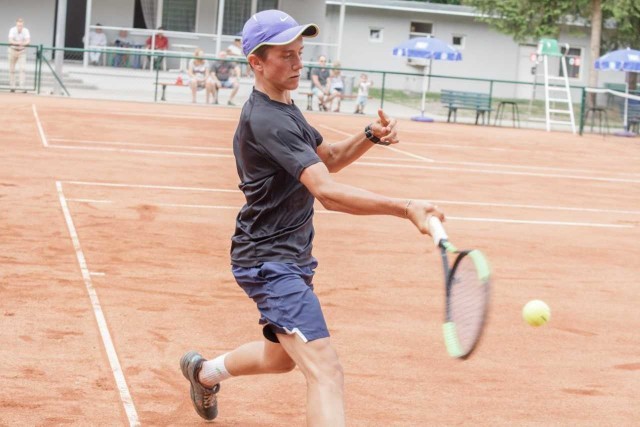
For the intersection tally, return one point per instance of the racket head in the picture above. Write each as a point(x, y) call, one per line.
point(467, 303)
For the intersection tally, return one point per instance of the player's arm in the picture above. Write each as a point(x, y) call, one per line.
point(341, 154)
point(339, 197)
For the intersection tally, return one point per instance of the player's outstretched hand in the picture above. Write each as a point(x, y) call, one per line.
point(419, 211)
point(385, 128)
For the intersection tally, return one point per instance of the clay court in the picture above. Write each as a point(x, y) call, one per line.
point(116, 222)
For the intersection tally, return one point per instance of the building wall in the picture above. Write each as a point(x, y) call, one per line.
point(112, 13)
point(39, 19)
point(486, 53)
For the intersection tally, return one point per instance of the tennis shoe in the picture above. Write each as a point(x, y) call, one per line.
point(204, 399)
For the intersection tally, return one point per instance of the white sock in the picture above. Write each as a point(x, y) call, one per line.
point(213, 371)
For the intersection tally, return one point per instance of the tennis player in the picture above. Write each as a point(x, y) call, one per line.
point(284, 166)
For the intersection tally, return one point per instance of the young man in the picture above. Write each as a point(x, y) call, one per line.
point(284, 166)
point(319, 77)
point(19, 39)
point(224, 74)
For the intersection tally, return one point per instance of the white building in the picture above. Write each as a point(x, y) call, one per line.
point(359, 33)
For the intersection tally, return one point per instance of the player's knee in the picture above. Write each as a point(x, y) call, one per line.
point(328, 373)
point(282, 366)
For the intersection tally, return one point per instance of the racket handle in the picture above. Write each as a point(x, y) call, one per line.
point(437, 230)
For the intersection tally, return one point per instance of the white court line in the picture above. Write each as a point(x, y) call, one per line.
point(406, 153)
point(43, 138)
point(457, 218)
point(97, 273)
point(522, 221)
point(125, 396)
point(464, 147)
point(500, 165)
point(153, 115)
point(149, 186)
point(495, 172)
point(89, 201)
point(139, 144)
point(224, 190)
point(131, 150)
point(556, 208)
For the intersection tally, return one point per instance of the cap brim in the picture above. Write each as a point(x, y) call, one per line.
point(287, 36)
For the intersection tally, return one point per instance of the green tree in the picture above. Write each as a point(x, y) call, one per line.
point(528, 20)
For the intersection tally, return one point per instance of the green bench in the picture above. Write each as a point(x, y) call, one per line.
point(456, 100)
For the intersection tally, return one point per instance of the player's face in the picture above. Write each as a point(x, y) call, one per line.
point(283, 65)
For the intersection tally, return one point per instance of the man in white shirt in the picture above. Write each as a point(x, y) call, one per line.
point(97, 40)
point(19, 38)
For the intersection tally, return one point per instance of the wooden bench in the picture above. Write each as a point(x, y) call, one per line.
point(633, 115)
point(456, 100)
point(164, 88)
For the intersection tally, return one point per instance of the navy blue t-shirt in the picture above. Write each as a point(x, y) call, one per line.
point(272, 145)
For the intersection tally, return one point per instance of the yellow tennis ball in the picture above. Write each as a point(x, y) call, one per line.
point(536, 312)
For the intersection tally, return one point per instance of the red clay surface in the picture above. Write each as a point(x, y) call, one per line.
point(152, 193)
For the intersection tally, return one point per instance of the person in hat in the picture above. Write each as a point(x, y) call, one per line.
point(284, 165)
point(159, 42)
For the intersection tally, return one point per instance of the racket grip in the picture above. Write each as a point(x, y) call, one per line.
point(437, 230)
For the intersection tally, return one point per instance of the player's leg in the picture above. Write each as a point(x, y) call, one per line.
point(321, 368)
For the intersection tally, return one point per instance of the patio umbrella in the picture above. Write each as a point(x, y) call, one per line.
point(627, 60)
point(426, 48)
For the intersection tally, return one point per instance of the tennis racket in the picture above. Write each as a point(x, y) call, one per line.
point(467, 287)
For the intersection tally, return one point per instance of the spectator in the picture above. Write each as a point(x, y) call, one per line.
point(158, 42)
point(363, 93)
point(198, 74)
point(336, 87)
point(97, 41)
point(123, 40)
point(224, 74)
point(319, 78)
point(235, 48)
point(19, 38)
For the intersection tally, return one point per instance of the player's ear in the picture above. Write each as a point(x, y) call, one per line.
point(255, 62)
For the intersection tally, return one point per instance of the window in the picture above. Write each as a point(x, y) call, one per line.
point(179, 15)
point(375, 35)
point(237, 12)
point(457, 41)
point(420, 29)
point(574, 60)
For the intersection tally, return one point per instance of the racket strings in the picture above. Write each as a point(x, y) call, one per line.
point(467, 303)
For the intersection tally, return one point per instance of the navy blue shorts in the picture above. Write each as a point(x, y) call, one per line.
point(284, 295)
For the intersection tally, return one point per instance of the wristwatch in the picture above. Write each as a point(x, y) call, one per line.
point(371, 137)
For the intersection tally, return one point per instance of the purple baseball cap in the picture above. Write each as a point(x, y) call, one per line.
point(273, 27)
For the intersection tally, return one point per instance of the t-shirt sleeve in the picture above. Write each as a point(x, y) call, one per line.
point(288, 148)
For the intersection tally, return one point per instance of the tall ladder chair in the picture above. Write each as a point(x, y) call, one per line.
point(557, 94)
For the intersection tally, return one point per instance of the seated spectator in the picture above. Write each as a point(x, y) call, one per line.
point(97, 40)
point(319, 78)
point(123, 40)
point(198, 74)
point(161, 43)
point(224, 74)
point(336, 87)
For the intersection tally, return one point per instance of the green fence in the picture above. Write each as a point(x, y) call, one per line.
point(137, 74)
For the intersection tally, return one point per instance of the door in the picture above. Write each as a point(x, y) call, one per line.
point(76, 14)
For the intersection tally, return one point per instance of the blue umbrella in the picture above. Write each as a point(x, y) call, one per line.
point(627, 60)
point(620, 60)
point(427, 48)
